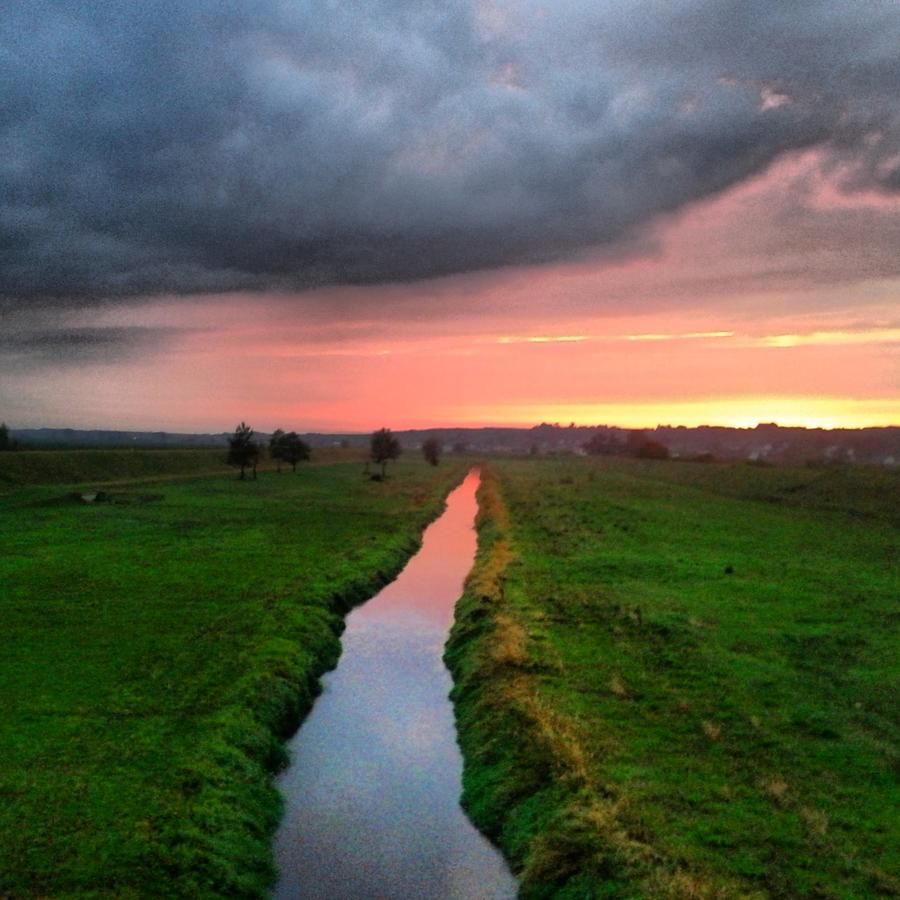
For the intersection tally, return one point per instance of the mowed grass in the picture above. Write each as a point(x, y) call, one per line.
point(683, 680)
point(156, 649)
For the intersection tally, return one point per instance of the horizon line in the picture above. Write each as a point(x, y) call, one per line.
point(483, 427)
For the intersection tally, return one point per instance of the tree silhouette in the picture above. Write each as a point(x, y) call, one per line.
point(275, 446)
point(384, 446)
point(5, 443)
point(293, 449)
point(431, 450)
point(243, 451)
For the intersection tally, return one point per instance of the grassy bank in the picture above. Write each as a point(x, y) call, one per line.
point(677, 680)
point(156, 649)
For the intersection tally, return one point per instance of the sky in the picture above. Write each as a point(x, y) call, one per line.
point(343, 215)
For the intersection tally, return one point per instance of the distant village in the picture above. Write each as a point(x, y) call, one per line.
point(766, 443)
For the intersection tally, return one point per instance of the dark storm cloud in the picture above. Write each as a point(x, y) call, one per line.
point(26, 349)
point(183, 147)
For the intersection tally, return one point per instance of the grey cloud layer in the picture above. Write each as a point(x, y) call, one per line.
point(26, 351)
point(168, 146)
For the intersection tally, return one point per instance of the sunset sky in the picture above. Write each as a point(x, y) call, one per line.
point(338, 216)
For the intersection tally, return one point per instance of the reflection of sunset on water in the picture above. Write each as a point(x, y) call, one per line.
point(433, 574)
point(372, 792)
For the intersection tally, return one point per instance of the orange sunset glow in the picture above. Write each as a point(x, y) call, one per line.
point(682, 335)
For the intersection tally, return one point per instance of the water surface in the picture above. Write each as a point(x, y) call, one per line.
point(372, 792)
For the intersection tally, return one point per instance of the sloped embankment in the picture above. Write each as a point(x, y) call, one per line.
point(529, 781)
point(217, 841)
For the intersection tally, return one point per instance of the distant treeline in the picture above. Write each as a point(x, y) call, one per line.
point(79, 439)
point(765, 443)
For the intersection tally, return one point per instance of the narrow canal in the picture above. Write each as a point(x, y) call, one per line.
point(372, 791)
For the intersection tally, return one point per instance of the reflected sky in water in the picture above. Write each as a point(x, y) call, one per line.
point(372, 792)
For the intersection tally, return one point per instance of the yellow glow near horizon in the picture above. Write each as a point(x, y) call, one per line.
point(825, 338)
point(688, 336)
point(734, 412)
point(543, 339)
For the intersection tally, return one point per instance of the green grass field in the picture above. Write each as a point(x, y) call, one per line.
point(157, 647)
point(110, 466)
point(683, 680)
point(74, 466)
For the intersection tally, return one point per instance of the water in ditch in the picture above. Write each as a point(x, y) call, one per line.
point(372, 791)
